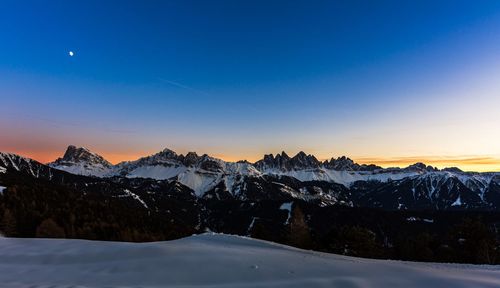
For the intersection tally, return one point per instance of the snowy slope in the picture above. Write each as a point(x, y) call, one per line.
point(22, 164)
point(200, 173)
point(83, 169)
point(345, 178)
point(215, 261)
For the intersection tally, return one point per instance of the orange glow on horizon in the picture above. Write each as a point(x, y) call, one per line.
point(477, 164)
point(466, 163)
point(50, 156)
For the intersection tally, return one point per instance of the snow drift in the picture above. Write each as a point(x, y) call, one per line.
point(215, 261)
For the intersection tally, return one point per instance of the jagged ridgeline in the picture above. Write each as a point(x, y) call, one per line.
point(332, 182)
point(331, 205)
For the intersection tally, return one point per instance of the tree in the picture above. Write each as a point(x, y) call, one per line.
point(49, 229)
point(299, 230)
point(9, 224)
point(474, 242)
point(416, 248)
point(357, 241)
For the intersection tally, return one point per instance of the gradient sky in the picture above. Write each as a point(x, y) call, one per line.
point(384, 82)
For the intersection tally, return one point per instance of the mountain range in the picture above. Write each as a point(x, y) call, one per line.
point(338, 181)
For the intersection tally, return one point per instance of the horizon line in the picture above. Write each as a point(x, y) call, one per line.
point(466, 163)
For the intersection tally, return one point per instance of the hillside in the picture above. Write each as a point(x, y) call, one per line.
point(215, 261)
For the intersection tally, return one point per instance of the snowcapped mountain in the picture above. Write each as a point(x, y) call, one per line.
point(200, 173)
point(82, 161)
point(204, 173)
point(280, 176)
point(436, 190)
point(346, 164)
point(9, 161)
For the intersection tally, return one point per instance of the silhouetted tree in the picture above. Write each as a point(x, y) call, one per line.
point(416, 248)
point(356, 241)
point(299, 230)
point(49, 229)
point(474, 242)
point(9, 224)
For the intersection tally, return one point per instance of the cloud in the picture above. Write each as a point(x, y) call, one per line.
point(177, 84)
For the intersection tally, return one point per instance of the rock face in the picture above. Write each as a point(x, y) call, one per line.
point(346, 164)
point(79, 155)
point(283, 162)
point(83, 162)
point(420, 167)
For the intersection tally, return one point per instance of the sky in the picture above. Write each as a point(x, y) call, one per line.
point(383, 82)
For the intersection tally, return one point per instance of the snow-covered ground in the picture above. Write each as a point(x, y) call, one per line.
point(215, 261)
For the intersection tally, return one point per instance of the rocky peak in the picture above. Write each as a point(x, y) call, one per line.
point(83, 155)
point(301, 155)
point(420, 167)
point(341, 163)
point(453, 170)
point(191, 159)
point(167, 154)
point(346, 164)
point(283, 162)
point(283, 155)
point(211, 165)
point(79, 160)
point(302, 160)
point(164, 157)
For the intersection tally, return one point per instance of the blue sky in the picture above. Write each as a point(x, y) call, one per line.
point(370, 79)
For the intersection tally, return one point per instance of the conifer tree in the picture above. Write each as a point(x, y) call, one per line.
point(299, 230)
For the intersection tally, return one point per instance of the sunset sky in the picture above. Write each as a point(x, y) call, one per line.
point(383, 82)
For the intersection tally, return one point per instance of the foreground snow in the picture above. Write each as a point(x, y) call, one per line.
point(215, 261)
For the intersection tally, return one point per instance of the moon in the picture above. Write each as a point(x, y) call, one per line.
point(71, 53)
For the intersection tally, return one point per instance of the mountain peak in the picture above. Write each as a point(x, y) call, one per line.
point(301, 154)
point(344, 163)
point(453, 169)
point(419, 166)
point(80, 160)
point(191, 158)
point(303, 160)
point(75, 154)
point(283, 162)
point(283, 155)
point(191, 154)
point(168, 153)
